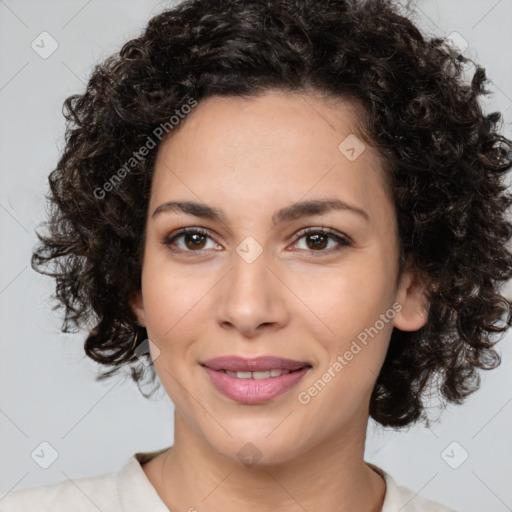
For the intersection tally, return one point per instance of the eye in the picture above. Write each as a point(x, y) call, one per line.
point(317, 239)
point(193, 239)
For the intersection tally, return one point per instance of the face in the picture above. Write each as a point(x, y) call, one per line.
point(253, 277)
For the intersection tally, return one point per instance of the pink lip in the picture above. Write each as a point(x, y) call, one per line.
point(254, 391)
point(262, 363)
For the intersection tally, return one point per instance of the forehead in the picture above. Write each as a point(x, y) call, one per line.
point(277, 147)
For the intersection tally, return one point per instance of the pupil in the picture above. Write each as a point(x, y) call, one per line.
point(194, 245)
point(316, 237)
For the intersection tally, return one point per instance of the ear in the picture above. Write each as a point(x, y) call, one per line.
point(414, 303)
point(137, 305)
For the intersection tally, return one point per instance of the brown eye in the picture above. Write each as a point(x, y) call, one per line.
point(317, 240)
point(188, 240)
point(194, 240)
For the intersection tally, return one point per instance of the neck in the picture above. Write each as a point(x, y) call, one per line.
point(330, 476)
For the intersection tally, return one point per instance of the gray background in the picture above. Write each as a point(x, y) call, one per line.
point(47, 388)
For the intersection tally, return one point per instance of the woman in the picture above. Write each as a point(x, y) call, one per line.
point(299, 209)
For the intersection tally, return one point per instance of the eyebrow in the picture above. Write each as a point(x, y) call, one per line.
point(286, 214)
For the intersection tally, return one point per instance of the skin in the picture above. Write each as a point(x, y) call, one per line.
point(250, 158)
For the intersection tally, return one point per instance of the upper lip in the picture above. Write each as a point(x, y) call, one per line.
point(262, 363)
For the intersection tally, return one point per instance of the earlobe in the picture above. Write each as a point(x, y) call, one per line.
point(137, 306)
point(411, 296)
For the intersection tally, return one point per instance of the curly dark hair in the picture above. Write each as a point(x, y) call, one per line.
point(445, 162)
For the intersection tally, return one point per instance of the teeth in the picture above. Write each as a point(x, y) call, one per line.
point(257, 375)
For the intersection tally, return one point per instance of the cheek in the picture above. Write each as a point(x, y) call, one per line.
point(171, 305)
point(344, 300)
point(171, 298)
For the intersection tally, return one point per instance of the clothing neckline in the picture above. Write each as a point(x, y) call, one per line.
point(137, 493)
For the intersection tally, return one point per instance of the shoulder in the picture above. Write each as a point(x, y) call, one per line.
point(415, 503)
point(87, 494)
point(404, 499)
point(128, 490)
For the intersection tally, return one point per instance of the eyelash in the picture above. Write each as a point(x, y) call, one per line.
point(342, 240)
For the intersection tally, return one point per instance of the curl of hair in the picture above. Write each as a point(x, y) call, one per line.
point(445, 162)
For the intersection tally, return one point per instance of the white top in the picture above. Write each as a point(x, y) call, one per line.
point(130, 490)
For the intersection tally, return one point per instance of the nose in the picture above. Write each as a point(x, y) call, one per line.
point(251, 298)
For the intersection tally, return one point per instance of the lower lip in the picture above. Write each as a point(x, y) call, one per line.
point(254, 391)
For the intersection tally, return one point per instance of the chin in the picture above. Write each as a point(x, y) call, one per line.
point(257, 450)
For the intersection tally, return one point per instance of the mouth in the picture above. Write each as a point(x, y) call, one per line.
point(261, 375)
point(254, 381)
point(254, 365)
point(269, 374)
